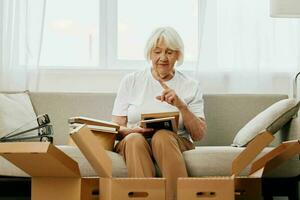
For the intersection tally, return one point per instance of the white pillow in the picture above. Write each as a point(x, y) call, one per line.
point(271, 119)
point(16, 111)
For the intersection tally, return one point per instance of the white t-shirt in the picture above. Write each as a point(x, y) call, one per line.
point(137, 92)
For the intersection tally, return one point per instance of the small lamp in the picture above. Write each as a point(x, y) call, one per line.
point(286, 9)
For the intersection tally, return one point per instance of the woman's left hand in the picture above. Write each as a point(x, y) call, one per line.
point(169, 95)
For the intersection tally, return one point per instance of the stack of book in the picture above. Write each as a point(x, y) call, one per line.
point(105, 131)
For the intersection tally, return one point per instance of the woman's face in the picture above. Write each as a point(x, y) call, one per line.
point(163, 59)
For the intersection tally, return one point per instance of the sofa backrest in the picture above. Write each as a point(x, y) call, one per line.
point(225, 114)
point(61, 106)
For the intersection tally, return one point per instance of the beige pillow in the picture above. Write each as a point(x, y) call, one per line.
point(271, 119)
point(16, 113)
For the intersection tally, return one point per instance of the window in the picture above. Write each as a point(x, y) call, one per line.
point(71, 34)
point(135, 25)
point(111, 33)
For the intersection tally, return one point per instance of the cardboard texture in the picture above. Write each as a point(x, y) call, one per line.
point(54, 174)
point(90, 188)
point(211, 188)
point(47, 188)
point(104, 131)
point(40, 159)
point(115, 188)
point(273, 159)
point(106, 140)
point(132, 188)
point(92, 150)
point(239, 164)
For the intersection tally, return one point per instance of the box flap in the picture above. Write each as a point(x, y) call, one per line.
point(274, 158)
point(250, 152)
point(88, 144)
point(40, 159)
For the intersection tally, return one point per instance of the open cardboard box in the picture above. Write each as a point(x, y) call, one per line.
point(106, 140)
point(234, 186)
point(54, 174)
point(115, 188)
point(105, 131)
point(250, 186)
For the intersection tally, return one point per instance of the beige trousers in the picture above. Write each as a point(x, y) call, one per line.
point(166, 148)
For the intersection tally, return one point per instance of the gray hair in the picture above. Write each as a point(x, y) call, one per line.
point(172, 39)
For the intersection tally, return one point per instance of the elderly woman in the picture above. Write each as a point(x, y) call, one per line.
point(160, 88)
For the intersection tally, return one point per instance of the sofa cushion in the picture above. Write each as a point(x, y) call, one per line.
point(16, 113)
point(216, 161)
point(119, 168)
point(202, 161)
point(271, 119)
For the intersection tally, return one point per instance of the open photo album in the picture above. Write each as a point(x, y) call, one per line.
point(157, 121)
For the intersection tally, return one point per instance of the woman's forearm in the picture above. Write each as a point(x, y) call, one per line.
point(194, 125)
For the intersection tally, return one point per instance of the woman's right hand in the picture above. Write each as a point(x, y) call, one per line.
point(147, 132)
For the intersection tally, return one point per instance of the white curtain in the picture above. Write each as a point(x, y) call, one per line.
point(21, 32)
point(241, 49)
point(244, 50)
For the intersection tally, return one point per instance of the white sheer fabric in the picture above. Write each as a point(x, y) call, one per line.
point(21, 36)
point(241, 50)
point(244, 50)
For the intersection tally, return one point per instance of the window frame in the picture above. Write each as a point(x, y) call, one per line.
point(108, 38)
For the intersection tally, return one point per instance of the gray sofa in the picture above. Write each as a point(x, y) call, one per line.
point(225, 115)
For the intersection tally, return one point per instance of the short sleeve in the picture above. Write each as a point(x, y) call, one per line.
point(196, 105)
point(121, 103)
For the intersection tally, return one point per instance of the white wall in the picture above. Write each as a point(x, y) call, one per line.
point(80, 81)
point(108, 81)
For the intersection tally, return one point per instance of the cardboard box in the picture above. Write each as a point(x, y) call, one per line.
point(54, 174)
point(244, 187)
point(250, 186)
point(227, 191)
point(115, 188)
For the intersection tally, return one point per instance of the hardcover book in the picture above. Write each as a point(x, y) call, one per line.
point(168, 123)
point(157, 121)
